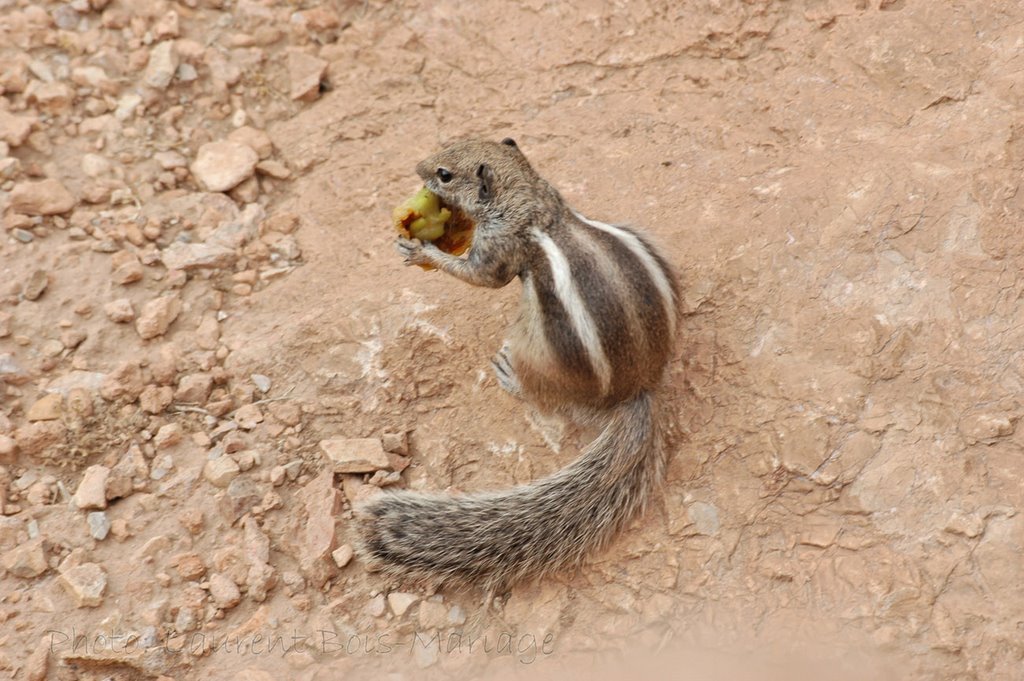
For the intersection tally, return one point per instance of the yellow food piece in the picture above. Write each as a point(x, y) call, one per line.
point(422, 216)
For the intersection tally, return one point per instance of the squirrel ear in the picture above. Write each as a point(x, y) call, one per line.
point(508, 141)
point(486, 177)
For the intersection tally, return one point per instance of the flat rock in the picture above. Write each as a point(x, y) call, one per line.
point(343, 555)
point(46, 408)
point(355, 455)
point(92, 490)
point(188, 256)
point(36, 285)
point(99, 525)
point(14, 130)
point(221, 471)
point(45, 197)
point(157, 315)
point(85, 584)
point(224, 591)
point(322, 503)
point(163, 62)
point(27, 560)
point(304, 74)
point(222, 165)
point(119, 311)
point(400, 602)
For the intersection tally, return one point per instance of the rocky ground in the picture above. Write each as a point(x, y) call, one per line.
point(209, 349)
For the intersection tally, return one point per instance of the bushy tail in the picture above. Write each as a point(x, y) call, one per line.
point(496, 538)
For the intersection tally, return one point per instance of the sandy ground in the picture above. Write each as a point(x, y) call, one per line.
point(836, 180)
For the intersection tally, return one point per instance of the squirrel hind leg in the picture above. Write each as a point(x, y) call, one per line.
point(505, 373)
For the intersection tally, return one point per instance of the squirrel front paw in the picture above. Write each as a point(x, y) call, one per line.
point(414, 251)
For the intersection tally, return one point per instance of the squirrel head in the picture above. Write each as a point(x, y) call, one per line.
point(489, 181)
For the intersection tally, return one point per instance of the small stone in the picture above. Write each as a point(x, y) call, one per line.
point(8, 450)
point(221, 471)
point(186, 256)
point(72, 338)
point(125, 268)
point(36, 285)
point(288, 413)
point(968, 524)
point(433, 615)
point(157, 315)
point(219, 166)
point(400, 602)
point(169, 160)
point(163, 61)
point(190, 566)
point(343, 555)
point(261, 382)
point(47, 408)
point(274, 169)
point(27, 560)
point(86, 584)
point(322, 503)
point(248, 416)
point(168, 436)
point(99, 525)
point(194, 388)
point(376, 606)
point(258, 140)
point(305, 73)
point(119, 311)
point(224, 591)
point(14, 130)
point(243, 494)
point(396, 443)
point(91, 492)
point(94, 165)
point(355, 455)
point(156, 398)
point(45, 197)
point(986, 427)
point(5, 323)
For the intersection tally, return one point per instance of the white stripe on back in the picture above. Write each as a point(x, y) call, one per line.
point(641, 251)
point(579, 317)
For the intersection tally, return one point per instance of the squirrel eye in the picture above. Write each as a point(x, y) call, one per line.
point(444, 175)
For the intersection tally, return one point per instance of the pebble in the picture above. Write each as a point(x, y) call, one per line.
point(248, 416)
point(168, 436)
point(221, 165)
point(27, 560)
point(400, 602)
point(396, 443)
point(190, 566)
point(376, 606)
point(224, 591)
point(86, 584)
point(125, 268)
point(99, 525)
point(194, 388)
point(433, 615)
point(274, 169)
point(46, 408)
point(5, 323)
point(23, 235)
point(119, 311)
point(188, 256)
point(14, 130)
point(163, 62)
point(221, 471)
point(36, 285)
point(322, 503)
point(355, 455)
point(304, 75)
point(343, 555)
point(45, 197)
point(8, 450)
point(91, 492)
point(157, 315)
point(155, 399)
point(258, 140)
point(261, 382)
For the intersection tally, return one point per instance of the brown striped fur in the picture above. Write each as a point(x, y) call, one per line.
point(599, 305)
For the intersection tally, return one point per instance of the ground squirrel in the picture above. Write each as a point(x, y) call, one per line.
point(596, 328)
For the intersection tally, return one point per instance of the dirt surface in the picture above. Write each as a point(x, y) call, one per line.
point(837, 182)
